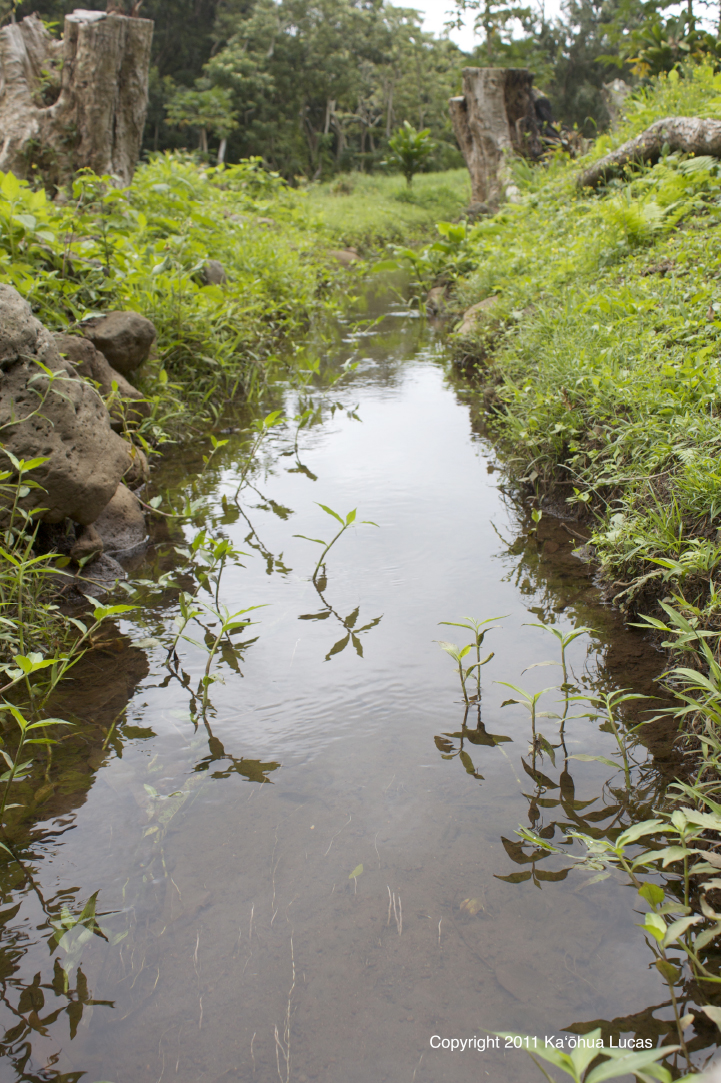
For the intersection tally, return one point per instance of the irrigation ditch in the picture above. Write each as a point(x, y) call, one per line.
point(287, 836)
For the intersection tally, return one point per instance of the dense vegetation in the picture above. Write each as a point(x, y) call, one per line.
point(317, 89)
point(604, 351)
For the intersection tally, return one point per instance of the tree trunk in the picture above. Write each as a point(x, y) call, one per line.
point(493, 121)
point(76, 103)
point(691, 135)
point(221, 150)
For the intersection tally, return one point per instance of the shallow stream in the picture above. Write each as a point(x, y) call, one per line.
point(326, 875)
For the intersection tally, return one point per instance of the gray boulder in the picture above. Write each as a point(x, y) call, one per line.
point(90, 363)
point(56, 416)
point(214, 273)
point(124, 338)
point(121, 525)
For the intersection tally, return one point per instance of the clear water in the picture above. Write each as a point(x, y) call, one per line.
point(327, 876)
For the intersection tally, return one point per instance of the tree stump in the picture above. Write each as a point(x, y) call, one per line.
point(493, 121)
point(75, 103)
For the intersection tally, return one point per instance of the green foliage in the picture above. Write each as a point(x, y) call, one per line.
point(605, 367)
point(614, 1063)
point(373, 211)
point(410, 150)
point(145, 247)
point(208, 109)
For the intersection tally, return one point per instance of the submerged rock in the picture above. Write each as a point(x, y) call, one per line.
point(124, 338)
point(88, 543)
point(122, 523)
point(55, 416)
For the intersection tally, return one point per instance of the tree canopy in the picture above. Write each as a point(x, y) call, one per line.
point(314, 87)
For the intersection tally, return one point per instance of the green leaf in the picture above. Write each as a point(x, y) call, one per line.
point(601, 759)
point(713, 1013)
point(652, 893)
point(677, 928)
point(329, 511)
point(356, 872)
point(103, 611)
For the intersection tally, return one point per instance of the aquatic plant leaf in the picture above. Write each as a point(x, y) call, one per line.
point(713, 1013)
point(515, 877)
point(356, 872)
point(323, 615)
point(538, 777)
point(555, 877)
point(601, 759)
point(329, 511)
point(677, 928)
point(338, 647)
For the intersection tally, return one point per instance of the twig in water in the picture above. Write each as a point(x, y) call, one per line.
point(282, 1047)
point(337, 834)
point(395, 902)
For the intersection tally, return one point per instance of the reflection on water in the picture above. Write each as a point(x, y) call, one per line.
point(299, 861)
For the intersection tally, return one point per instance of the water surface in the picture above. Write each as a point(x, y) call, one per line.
point(326, 875)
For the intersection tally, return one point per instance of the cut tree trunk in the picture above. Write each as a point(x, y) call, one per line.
point(75, 103)
point(691, 135)
point(494, 121)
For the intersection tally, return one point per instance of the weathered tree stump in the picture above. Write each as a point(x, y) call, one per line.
point(690, 135)
point(493, 121)
point(75, 103)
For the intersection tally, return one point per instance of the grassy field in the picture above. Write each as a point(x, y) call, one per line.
point(371, 211)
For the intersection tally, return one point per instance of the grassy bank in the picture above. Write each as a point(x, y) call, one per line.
point(145, 248)
point(601, 354)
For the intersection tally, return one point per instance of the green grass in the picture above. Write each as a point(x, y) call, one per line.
point(604, 352)
point(371, 211)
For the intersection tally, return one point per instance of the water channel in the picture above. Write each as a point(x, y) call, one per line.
point(326, 875)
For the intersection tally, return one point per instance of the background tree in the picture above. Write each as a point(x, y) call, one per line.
point(206, 109)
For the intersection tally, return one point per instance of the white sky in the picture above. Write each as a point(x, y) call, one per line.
point(435, 12)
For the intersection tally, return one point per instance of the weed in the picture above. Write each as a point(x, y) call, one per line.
point(345, 523)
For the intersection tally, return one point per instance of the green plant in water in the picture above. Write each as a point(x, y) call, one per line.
point(609, 704)
point(229, 623)
point(17, 767)
point(459, 653)
point(262, 428)
point(529, 700)
point(327, 546)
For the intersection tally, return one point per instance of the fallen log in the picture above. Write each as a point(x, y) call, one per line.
point(691, 135)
